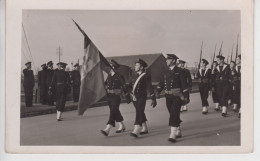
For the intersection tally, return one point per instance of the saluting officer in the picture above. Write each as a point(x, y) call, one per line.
point(173, 82)
point(188, 81)
point(75, 81)
point(223, 74)
point(115, 86)
point(204, 75)
point(238, 69)
point(28, 84)
point(42, 84)
point(50, 73)
point(141, 84)
point(61, 81)
point(213, 86)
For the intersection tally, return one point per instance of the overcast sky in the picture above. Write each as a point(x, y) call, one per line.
point(128, 33)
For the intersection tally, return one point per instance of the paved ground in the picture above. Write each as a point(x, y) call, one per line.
point(197, 129)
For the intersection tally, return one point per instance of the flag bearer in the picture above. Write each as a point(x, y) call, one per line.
point(75, 81)
point(204, 75)
point(173, 82)
point(61, 82)
point(139, 88)
point(115, 86)
point(188, 82)
point(28, 84)
point(223, 74)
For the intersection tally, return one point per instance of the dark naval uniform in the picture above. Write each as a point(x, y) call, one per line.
point(75, 79)
point(141, 84)
point(235, 84)
point(213, 86)
point(28, 85)
point(222, 78)
point(42, 84)
point(114, 89)
point(50, 97)
point(173, 82)
point(61, 82)
point(188, 81)
point(204, 77)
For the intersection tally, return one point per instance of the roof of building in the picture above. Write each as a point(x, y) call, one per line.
point(130, 60)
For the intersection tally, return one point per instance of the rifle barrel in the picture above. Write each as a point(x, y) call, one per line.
point(200, 54)
point(213, 56)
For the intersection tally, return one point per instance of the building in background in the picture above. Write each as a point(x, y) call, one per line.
point(156, 64)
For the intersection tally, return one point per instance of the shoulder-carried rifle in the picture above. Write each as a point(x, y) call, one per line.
point(200, 55)
point(213, 57)
point(220, 50)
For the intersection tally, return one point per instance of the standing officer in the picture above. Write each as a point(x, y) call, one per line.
point(61, 81)
point(204, 75)
point(75, 81)
point(28, 84)
point(223, 74)
point(50, 73)
point(173, 82)
point(141, 84)
point(115, 86)
point(213, 86)
point(188, 82)
point(42, 84)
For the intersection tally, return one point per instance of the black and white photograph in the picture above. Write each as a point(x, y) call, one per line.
point(132, 79)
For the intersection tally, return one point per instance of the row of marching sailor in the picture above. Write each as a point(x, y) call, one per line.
point(224, 83)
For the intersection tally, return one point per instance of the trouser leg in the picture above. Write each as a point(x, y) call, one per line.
point(140, 107)
point(115, 115)
point(173, 106)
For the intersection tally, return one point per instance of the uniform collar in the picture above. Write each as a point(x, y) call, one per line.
point(224, 66)
point(112, 73)
point(206, 69)
point(172, 67)
point(139, 73)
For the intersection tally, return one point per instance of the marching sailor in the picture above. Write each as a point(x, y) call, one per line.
point(204, 75)
point(60, 82)
point(235, 86)
point(238, 69)
point(115, 86)
point(213, 86)
point(188, 82)
point(223, 74)
point(173, 82)
point(139, 88)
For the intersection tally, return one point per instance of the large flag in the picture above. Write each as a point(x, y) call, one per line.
point(94, 71)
